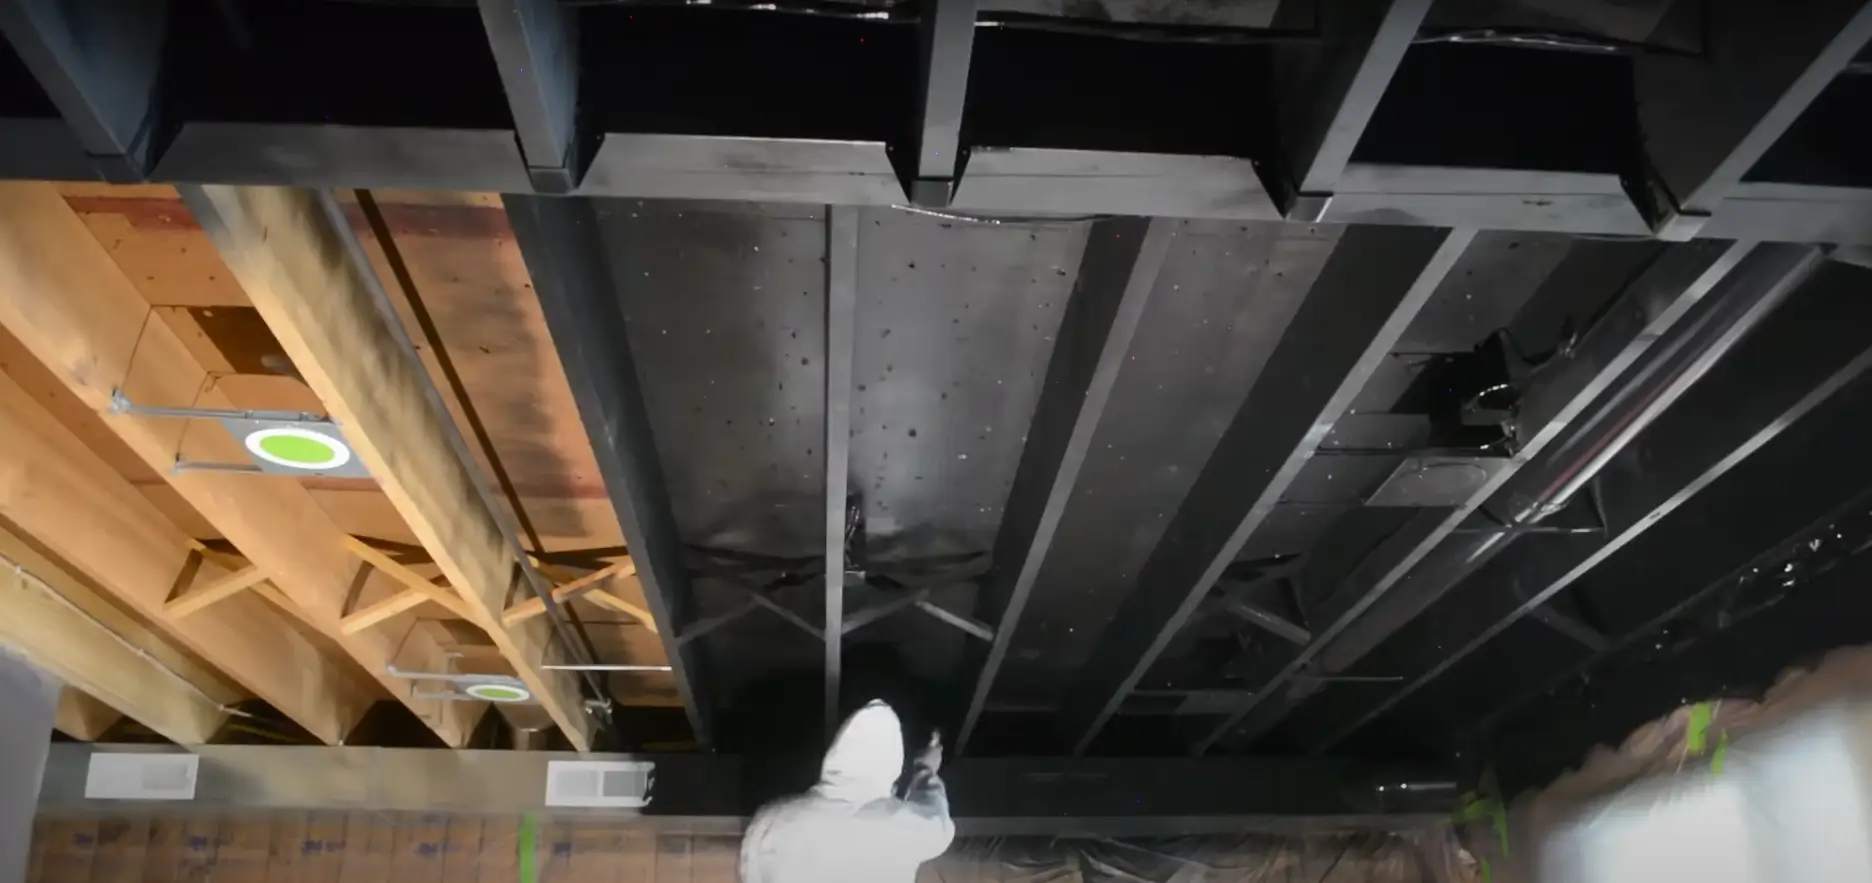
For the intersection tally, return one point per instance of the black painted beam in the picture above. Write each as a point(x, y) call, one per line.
point(535, 44)
point(948, 42)
point(841, 348)
point(1707, 120)
point(1819, 545)
point(1827, 608)
point(1372, 286)
point(1011, 796)
point(1796, 365)
point(99, 63)
point(578, 291)
point(1117, 273)
point(1328, 92)
point(1718, 293)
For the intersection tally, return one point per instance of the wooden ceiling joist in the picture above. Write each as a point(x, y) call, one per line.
point(57, 492)
point(65, 298)
point(59, 637)
point(307, 279)
point(83, 717)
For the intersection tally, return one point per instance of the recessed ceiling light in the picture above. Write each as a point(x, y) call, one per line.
point(298, 448)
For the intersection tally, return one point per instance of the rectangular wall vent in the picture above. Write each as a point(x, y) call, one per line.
point(114, 776)
point(605, 783)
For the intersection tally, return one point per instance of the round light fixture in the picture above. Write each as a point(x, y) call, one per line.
point(498, 692)
point(297, 448)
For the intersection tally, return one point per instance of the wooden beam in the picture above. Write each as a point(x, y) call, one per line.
point(57, 637)
point(412, 581)
point(371, 615)
point(83, 717)
point(206, 592)
point(566, 591)
point(68, 500)
point(63, 296)
point(124, 619)
point(307, 276)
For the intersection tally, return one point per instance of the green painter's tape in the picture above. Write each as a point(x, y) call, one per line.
point(1722, 752)
point(1498, 815)
point(529, 860)
point(1696, 739)
point(1488, 873)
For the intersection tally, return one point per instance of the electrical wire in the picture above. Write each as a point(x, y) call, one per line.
point(27, 577)
point(964, 217)
point(1556, 40)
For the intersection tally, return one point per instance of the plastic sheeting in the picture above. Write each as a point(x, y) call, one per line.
point(1337, 857)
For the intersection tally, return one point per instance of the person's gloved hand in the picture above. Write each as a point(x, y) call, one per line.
point(931, 758)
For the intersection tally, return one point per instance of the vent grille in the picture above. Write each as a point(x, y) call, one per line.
point(623, 784)
point(142, 776)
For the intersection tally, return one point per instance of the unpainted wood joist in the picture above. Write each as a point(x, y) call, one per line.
point(56, 493)
point(83, 716)
point(73, 308)
point(302, 273)
point(57, 635)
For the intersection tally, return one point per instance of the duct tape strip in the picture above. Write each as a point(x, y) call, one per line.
point(529, 852)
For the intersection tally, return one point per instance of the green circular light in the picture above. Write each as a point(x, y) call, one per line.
point(498, 693)
point(298, 449)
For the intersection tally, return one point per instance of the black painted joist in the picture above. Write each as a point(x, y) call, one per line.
point(1702, 287)
point(99, 62)
point(1642, 681)
point(1328, 92)
point(1795, 365)
point(1117, 273)
point(948, 42)
point(564, 253)
point(841, 317)
point(535, 44)
point(1374, 284)
point(1708, 120)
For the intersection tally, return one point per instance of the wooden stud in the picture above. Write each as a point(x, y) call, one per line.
point(307, 277)
point(199, 597)
point(55, 636)
point(63, 296)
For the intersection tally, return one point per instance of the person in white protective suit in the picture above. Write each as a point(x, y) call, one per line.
point(852, 827)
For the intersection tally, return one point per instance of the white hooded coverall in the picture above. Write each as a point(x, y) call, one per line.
point(851, 828)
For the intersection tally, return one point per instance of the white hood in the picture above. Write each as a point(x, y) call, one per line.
point(866, 757)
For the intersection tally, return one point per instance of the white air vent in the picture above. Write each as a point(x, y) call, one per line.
point(599, 783)
point(142, 776)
